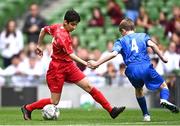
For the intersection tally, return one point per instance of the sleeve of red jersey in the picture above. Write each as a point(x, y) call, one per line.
point(66, 46)
point(49, 29)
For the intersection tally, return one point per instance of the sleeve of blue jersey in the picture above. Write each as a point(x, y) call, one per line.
point(146, 38)
point(117, 46)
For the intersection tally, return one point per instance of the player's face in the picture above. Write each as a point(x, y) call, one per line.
point(71, 26)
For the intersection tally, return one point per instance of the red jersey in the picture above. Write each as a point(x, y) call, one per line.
point(62, 42)
point(61, 68)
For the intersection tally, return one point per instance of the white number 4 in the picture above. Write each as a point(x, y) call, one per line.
point(134, 45)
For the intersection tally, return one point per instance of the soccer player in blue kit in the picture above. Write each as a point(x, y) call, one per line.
point(133, 47)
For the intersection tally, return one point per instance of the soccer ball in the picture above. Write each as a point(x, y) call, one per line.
point(50, 112)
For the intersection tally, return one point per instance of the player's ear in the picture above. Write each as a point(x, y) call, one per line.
point(123, 30)
point(65, 22)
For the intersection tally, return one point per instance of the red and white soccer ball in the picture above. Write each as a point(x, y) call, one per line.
point(50, 112)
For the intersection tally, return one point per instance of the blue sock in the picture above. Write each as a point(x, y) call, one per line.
point(164, 94)
point(142, 104)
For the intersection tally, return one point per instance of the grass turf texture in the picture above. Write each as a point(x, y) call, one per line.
point(94, 117)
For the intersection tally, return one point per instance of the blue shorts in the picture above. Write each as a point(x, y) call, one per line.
point(142, 74)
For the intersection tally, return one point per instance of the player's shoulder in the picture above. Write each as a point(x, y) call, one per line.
point(142, 34)
point(118, 40)
point(139, 34)
point(55, 25)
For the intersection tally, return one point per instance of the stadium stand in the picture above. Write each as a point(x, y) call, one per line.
point(85, 7)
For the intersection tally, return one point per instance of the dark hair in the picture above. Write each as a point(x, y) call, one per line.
point(126, 24)
point(15, 56)
point(7, 28)
point(71, 15)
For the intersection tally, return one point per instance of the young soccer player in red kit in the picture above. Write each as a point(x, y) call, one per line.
point(63, 69)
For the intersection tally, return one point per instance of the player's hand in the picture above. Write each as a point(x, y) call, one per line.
point(92, 64)
point(165, 60)
point(39, 51)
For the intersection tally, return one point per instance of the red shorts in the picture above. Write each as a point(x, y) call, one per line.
point(60, 72)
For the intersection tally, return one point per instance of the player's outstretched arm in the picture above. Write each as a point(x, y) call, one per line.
point(77, 59)
point(38, 50)
point(41, 36)
point(157, 51)
point(109, 56)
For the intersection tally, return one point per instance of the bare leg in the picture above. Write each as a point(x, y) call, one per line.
point(99, 97)
point(96, 94)
point(55, 97)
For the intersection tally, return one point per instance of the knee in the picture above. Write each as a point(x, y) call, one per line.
point(85, 85)
point(88, 87)
point(139, 92)
point(164, 85)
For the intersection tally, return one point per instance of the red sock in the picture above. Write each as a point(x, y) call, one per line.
point(38, 104)
point(99, 97)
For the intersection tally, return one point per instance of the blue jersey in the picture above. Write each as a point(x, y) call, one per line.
point(133, 48)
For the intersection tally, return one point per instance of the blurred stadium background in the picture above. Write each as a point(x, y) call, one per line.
point(22, 73)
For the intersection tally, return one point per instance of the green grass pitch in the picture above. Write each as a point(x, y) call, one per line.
point(93, 117)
